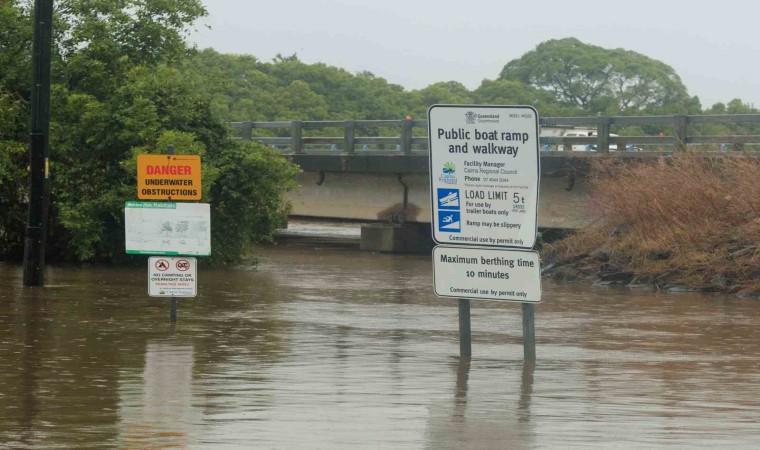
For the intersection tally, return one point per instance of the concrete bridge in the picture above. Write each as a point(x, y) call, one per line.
point(400, 197)
point(377, 170)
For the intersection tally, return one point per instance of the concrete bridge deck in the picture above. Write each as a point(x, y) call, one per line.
point(378, 170)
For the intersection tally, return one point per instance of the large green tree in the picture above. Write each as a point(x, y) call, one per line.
point(15, 63)
point(511, 92)
point(600, 80)
point(117, 91)
point(15, 77)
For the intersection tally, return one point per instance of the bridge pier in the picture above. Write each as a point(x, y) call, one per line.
point(397, 238)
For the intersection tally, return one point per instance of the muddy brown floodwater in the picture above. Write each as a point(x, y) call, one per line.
point(327, 347)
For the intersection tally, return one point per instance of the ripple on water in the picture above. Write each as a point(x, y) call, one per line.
point(335, 348)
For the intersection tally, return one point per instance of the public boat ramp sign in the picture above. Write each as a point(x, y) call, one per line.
point(484, 175)
point(484, 180)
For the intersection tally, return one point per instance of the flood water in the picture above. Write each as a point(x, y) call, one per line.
point(327, 347)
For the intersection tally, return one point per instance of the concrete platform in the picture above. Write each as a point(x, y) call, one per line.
point(397, 238)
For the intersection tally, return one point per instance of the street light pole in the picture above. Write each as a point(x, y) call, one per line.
point(39, 131)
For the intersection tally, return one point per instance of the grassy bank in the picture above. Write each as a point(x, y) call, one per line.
point(681, 223)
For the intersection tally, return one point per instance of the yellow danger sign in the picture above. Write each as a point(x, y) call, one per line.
point(169, 177)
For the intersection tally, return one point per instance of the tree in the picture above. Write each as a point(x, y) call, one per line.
point(298, 102)
point(600, 81)
point(248, 197)
point(15, 63)
point(98, 41)
point(117, 92)
point(510, 92)
point(243, 88)
point(444, 92)
point(13, 194)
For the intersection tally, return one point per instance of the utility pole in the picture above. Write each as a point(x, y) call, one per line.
point(39, 131)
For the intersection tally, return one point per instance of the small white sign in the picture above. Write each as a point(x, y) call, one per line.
point(167, 228)
point(172, 276)
point(487, 273)
point(484, 175)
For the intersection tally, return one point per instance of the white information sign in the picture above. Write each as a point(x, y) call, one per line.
point(170, 276)
point(484, 175)
point(487, 273)
point(167, 228)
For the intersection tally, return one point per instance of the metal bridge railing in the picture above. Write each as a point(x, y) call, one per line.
point(409, 137)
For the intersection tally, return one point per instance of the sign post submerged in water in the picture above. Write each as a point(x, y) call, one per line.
point(484, 180)
point(169, 228)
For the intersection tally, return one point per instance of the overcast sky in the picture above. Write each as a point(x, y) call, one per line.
point(714, 47)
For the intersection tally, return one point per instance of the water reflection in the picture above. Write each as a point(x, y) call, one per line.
point(526, 391)
point(157, 410)
point(328, 347)
point(33, 320)
point(498, 420)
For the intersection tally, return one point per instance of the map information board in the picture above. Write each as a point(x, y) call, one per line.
point(167, 228)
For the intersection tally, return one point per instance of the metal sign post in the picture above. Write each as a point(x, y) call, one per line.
point(173, 310)
point(529, 331)
point(465, 331)
point(173, 301)
point(173, 277)
point(484, 179)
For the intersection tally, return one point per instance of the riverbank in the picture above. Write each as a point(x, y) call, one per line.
point(681, 224)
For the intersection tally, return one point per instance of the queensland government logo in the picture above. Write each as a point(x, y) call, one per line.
point(471, 117)
point(448, 177)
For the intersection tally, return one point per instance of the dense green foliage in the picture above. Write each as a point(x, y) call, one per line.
point(599, 80)
point(243, 88)
point(125, 82)
point(117, 92)
point(559, 78)
point(13, 192)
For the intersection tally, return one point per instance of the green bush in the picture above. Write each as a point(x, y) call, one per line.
point(244, 182)
point(13, 198)
point(247, 197)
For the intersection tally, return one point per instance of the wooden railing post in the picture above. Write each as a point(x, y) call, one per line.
point(406, 136)
point(296, 137)
point(349, 136)
point(680, 130)
point(603, 134)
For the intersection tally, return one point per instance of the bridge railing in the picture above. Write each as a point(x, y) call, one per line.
point(409, 137)
point(403, 140)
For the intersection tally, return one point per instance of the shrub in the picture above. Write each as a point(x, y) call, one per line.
point(694, 219)
point(247, 198)
point(14, 190)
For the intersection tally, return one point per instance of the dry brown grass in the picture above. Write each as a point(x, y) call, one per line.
point(695, 219)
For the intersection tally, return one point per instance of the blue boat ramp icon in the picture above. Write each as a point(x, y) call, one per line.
point(448, 199)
